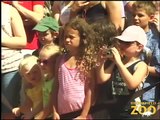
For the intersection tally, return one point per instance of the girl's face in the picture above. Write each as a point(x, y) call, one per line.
point(129, 49)
point(46, 62)
point(32, 74)
point(141, 19)
point(71, 39)
point(46, 37)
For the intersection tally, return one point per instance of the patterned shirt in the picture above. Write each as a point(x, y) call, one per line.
point(153, 44)
point(10, 58)
point(71, 92)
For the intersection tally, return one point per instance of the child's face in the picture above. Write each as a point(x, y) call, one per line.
point(47, 62)
point(32, 74)
point(46, 37)
point(71, 39)
point(141, 18)
point(129, 48)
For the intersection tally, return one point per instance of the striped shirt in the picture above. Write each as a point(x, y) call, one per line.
point(10, 58)
point(71, 92)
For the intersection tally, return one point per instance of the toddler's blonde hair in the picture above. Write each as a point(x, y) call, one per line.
point(51, 49)
point(30, 60)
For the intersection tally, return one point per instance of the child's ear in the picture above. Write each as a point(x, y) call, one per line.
point(140, 47)
point(56, 34)
point(151, 18)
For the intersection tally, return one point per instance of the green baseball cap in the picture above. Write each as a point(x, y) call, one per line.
point(47, 23)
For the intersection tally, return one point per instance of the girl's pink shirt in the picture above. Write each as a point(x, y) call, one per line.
point(71, 92)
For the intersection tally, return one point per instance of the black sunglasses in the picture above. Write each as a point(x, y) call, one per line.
point(39, 61)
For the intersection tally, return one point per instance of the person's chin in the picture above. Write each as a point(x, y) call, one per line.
point(136, 24)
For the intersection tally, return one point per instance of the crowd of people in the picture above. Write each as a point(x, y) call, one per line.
point(81, 60)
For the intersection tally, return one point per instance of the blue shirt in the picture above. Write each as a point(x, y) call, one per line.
point(153, 44)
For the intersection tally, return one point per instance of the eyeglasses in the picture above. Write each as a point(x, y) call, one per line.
point(39, 61)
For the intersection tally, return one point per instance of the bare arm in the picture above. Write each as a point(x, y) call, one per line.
point(56, 10)
point(132, 81)
point(34, 111)
point(26, 106)
point(19, 39)
point(115, 11)
point(152, 71)
point(36, 15)
point(89, 95)
point(103, 74)
point(55, 91)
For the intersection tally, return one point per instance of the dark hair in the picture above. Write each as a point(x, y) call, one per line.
point(86, 41)
point(105, 31)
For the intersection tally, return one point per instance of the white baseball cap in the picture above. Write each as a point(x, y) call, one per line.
point(133, 33)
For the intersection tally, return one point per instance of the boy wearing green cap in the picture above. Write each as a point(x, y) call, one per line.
point(48, 30)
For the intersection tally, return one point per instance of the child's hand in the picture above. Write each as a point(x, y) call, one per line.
point(16, 111)
point(56, 116)
point(156, 20)
point(116, 54)
point(103, 55)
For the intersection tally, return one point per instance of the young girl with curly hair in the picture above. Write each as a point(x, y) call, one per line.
point(75, 79)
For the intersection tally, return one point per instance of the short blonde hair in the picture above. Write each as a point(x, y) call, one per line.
point(28, 60)
point(51, 49)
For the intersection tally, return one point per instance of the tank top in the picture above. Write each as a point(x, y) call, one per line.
point(94, 13)
point(121, 93)
point(10, 58)
point(71, 89)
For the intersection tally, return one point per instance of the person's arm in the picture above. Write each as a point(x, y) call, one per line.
point(76, 7)
point(56, 10)
point(36, 15)
point(19, 39)
point(24, 108)
point(31, 114)
point(115, 12)
point(154, 69)
point(44, 113)
point(89, 95)
point(140, 73)
point(103, 74)
point(156, 20)
point(55, 91)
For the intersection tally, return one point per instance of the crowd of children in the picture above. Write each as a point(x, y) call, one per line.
point(64, 77)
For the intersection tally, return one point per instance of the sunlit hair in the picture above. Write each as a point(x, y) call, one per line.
point(30, 60)
point(86, 47)
point(50, 49)
point(148, 6)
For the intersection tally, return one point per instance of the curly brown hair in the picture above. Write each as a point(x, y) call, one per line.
point(86, 47)
point(105, 31)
